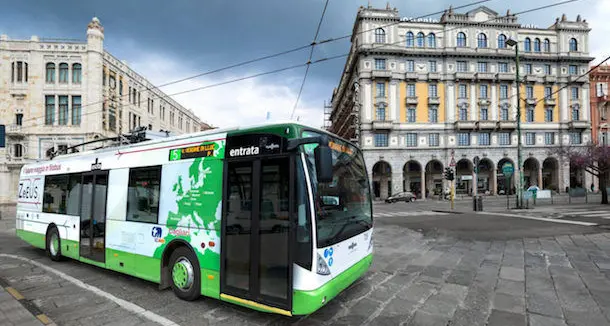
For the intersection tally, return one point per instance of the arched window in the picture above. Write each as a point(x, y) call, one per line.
point(482, 40)
point(573, 45)
point(18, 150)
point(50, 73)
point(77, 73)
point(537, 45)
point(420, 40)
point(547, 45)
point(379, 35)
point(410, 40)
point(527, 45)
point(501, 41)
point(431, 40)
point(63, 72)
point(461, 40)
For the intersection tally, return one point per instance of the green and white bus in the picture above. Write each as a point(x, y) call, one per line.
point(276, 217)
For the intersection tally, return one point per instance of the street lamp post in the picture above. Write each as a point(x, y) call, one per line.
point(514, 43)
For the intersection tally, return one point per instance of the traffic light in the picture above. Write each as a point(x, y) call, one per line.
point(449, 174)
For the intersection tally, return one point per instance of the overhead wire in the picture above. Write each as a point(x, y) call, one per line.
point(313, 44)
point(304, 64)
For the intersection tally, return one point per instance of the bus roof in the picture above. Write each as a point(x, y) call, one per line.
point(187, 136)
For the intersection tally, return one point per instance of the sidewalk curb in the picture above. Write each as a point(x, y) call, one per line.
point(446, 211)
point(27, 304)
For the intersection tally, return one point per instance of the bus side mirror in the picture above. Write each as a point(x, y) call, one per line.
point(324, 163)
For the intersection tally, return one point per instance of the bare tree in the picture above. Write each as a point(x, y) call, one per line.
point(593, 158)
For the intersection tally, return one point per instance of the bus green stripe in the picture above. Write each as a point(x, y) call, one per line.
point(35, 239)
point(306, 302)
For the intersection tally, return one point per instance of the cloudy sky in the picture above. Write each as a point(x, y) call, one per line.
point(170, 40)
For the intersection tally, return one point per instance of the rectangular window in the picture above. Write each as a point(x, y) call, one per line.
point(433, 140)
point(549, 138)
point(502, 66)
point(411, 90)
point(503, 92)
point(432, 90)
point(19, 119)
point(530, 114)
point(575, 113)
point(411, 140)
point(143, 194)
point(529, 92)
point(504, 113)
point(547, 92)
point(380, 64)
point(484, 139)
point(411, 114)
point(76, 110)
point(63, 110)
point(528, 68)
point(484, 113)
point(462, 66)
point(574, 93)
point(575, 138)
point(432, 66)
point(463, 113)
point(504, 138)
point(112, 118)
point(433, 114)
point(482, 67)
point(548, 114)
point(463, 139)
point(381, 112)
point(380, 90)
point(573, 70)
point(410, 66)
point(530, 138)
point(49, 110)
point(483, 91)
point(55, 190)
point(547, 69)
point(381, 140)
point(462, 91)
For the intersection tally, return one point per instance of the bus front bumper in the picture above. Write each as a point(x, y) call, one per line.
point(306, 302)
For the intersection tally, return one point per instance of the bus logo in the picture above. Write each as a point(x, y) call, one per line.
point(272, 146)
point(352, 246)
point(157, 232)
point(97, 165)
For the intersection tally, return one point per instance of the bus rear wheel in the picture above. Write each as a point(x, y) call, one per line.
point(53, 244)
point(185, 274)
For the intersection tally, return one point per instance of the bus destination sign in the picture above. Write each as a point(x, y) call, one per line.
point(184, 153)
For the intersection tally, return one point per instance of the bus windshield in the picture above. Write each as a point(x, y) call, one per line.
point(342, 206)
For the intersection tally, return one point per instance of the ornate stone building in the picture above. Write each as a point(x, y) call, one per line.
point(600, 104)
point(56, 94)
point(419, 96)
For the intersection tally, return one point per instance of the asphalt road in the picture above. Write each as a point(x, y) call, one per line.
point(429, 269)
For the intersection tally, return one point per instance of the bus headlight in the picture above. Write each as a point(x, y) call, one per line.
point(322, 266)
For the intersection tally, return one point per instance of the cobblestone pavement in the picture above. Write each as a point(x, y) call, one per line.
point(416, 279)
point(13, 313)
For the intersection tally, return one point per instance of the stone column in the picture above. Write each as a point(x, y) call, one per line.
point(473, 102)
point(494, 102)
point(513, 102)
point(392, 101)
point(423, 183)
point(494, 180)
point(450, 105)
point(474, 183)
point(396, 182)
point(563, 104)
point(540, 177)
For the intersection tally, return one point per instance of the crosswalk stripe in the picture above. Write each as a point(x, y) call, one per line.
point(597, 214)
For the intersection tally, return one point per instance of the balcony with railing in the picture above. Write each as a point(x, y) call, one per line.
point(485, 76)
point(507, 124)
point(382, 124)
point(381, 73)
point(550, 101)
point(465, 125)
point(434, 100)
point(411, 100)
point(14, 130)
point(579, 125)
point(464, 75)
point(577, 79)
point(505, 76)
point(550, 79)
point(487, 124)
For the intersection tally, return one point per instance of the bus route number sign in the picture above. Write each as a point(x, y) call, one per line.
point(203, 150)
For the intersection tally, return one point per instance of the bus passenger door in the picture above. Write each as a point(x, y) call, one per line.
point(93, 216)
point(256, 262)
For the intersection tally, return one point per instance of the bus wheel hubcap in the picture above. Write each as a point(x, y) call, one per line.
point(54, 245)
point(183, 273)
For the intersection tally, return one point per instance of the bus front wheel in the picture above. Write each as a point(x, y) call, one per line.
point(53, 244)
point(185, 274)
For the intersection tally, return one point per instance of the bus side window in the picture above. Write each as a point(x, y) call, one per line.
point(55, 193)
point(143, 194)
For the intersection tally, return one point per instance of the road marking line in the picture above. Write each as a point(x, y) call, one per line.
point(43, 319)
point(584, 212)
point(14, 293)
point(123, 303)
point(554, 220)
